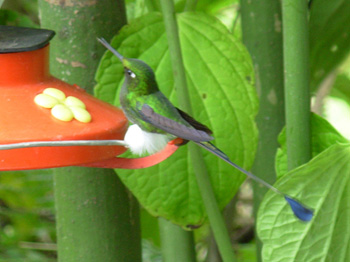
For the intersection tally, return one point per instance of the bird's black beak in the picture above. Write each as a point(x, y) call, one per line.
point(110, 48)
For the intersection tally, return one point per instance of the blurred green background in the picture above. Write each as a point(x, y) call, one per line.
point(27, 219)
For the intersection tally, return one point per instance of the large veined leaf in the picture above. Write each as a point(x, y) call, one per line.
point(323, 135)
point(322, 184)
point(220, 79)
point(329, 37)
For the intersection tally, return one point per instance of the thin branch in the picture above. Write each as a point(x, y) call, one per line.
point(215, 218)
point(38, 246)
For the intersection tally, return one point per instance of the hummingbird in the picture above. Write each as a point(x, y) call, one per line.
point(156, 121)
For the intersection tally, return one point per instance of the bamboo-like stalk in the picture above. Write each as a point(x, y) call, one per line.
point(97, 218)
point(297, 91)
point(177, 244)
point(214, 214)
point(262, 34)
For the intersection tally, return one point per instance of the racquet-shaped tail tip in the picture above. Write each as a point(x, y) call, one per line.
point(300, 211)
point(303, 213)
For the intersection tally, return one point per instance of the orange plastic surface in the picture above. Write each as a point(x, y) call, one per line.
point(24, 75)
point(142, 162)
point(136, 163)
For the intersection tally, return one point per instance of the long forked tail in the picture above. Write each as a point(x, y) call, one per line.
point(300, 211)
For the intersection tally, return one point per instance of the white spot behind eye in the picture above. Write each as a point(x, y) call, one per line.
point(131, 73)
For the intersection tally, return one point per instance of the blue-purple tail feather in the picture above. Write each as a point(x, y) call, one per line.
point(299, 210)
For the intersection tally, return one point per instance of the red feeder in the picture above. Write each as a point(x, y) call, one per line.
point(24, 73)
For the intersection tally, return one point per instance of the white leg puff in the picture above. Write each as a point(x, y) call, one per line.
point(140, 142)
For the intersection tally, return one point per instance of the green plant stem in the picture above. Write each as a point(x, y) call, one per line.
point(297, 93)
point(190, 5)
point(77, 24)
point(262, 34)
point(97, 219)
point(203, 180)
point(177, 244)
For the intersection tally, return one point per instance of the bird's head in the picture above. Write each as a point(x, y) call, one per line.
point(138, 75)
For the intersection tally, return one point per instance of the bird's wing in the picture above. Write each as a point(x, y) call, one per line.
point(168, 125)
point(193, 122)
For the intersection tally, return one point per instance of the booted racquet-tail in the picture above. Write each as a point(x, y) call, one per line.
point(159, 121)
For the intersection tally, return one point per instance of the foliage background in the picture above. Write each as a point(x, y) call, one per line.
point(27, 226)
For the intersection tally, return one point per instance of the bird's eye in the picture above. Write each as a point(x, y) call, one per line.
point(130, 73)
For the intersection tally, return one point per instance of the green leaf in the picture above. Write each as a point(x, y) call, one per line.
point(213, 7)
point(150, 253)
point(322, 184)
point(323, 135)
point(246, 252)
point(220, 79)
point(329, 37)
point(136, 8)
point(13, 18)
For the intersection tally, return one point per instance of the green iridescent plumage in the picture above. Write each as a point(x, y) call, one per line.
point(140, 88)
point(152, 112)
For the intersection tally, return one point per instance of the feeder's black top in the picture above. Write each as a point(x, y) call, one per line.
point(20, 39)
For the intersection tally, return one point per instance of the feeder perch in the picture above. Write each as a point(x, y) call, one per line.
point(31, 103)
